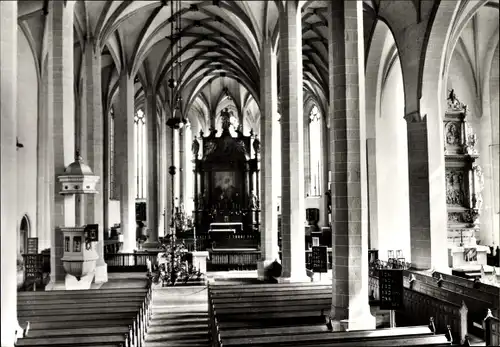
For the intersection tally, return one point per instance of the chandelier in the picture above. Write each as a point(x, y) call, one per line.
point(176, 121)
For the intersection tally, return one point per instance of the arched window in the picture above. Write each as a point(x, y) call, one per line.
point(140, 150)
point(315, 151)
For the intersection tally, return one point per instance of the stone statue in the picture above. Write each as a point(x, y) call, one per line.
point(195, 148)
point(226, 119)
point(254, 201)
point(256, 145)
point(453, 102)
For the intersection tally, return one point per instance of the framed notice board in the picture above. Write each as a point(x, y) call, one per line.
point(391, 289)
point(31, 266)
point(319, 259)
point(32, 246)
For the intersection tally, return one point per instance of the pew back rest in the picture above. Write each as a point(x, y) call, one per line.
point(481, 291)
point(492, 330)
point(477, 309)
point(418, 307)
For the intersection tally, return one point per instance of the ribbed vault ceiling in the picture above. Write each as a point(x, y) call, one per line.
point(220, 46)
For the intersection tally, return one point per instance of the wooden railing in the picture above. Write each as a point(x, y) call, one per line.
point(201, 244)
point(233, 260)
point(129, 262)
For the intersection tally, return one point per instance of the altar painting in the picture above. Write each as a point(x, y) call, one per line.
point(225, 186)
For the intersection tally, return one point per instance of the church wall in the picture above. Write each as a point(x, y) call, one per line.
point(392, 168)
point(27, 113)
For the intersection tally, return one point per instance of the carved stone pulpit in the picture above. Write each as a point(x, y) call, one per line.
point(464, 178)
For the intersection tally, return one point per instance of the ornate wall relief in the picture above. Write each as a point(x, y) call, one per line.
point(464, 180)
point(452, 134)
point(455, 188)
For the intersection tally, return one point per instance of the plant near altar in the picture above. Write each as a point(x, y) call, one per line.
point(173, 265)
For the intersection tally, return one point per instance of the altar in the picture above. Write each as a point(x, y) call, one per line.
point(471, 256)
point(226, 188)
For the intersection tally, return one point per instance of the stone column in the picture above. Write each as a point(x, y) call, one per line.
point(307, 158)
point(125, 163)
point(418, 179)
point(163, 179)
point(8, 178)
point(292, 148)
point(177, 162)
point(95, 148)
point(371, 152)
point(81, 144)
point(43, 166)
point(169, 185)
point(152, 170)
point(61, 100)
point(325, 141)
point(268, 191)
point(182, 167)
point(350, 309)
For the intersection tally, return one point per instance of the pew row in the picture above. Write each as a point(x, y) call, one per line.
point(271, 315)
point(492, 330)
point(290, 337)
point(109, 317)
point(478, 297)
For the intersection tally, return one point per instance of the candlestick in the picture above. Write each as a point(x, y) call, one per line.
point(194, 230)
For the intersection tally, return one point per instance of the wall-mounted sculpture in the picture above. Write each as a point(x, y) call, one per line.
point(464, 179)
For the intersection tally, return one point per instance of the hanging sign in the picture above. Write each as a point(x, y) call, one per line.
point(32, 245)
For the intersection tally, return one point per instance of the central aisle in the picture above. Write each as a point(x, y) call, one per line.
point(180, 317)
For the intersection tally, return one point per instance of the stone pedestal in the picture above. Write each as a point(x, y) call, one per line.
point(362, 321)
point(200, 260)
point(295, 279)
point(85, 282)
point(101, 273)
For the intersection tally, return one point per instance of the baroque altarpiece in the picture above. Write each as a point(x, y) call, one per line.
point(464, 178)
point(226, 186)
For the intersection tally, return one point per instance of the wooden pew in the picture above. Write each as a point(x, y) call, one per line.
point(491, 330)
point(481, 291)
point(260, 299)
point(87, 341)
point(304, 304)
point(447, 315)
point(477, 302)
point(118, 317)
point(267, 315)
point(291, 337)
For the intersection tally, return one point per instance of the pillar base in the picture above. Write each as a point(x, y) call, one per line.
point(101, 273)
point(262, 267)
point(295, 279)
point(361, 321)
